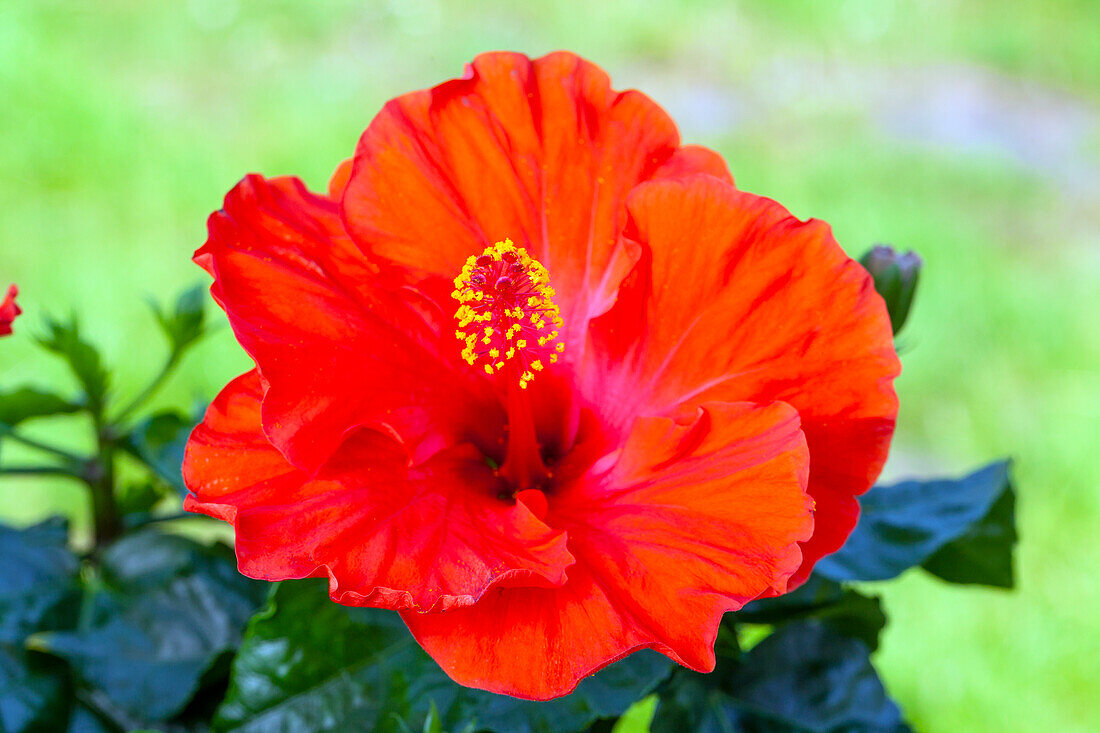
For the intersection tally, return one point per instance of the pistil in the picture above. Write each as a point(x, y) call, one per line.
point(509, 324)
point(523, 467)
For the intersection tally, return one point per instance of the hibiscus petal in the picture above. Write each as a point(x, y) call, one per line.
point(336, 351)
point(735, 299)
point(686, 523)
point(543, 152)
point(432, 537)
point(339, 180)
point(692, 160)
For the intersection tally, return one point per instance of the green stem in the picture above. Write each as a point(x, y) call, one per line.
point(150, 390)
point(40, 471)
point(108, 523)
point(163, 518)
point(9, 432)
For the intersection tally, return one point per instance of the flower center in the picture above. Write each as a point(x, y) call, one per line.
point(507, 317)
point(509, 323)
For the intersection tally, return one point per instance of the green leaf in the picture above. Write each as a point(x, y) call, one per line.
point(38, 580)
point(433, 723)
point(33, 691)
point(804, 678)
point(38, 592)
point(310, 664)
point(846, 610)
point(84, 720)
point(136, 499)
point(983, 555)
point(184, 325)
point(963, 530)
point(64, 339)
point(167, 610)
point(698, 703)
point(159, 442)
point(811, 678)
point(26, 403)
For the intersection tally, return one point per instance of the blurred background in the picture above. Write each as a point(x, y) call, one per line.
point(968, 131)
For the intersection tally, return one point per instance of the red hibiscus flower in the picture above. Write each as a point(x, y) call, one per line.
point(540, 378)
point(9, 309)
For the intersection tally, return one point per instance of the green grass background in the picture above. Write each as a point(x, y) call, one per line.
point(967, 131)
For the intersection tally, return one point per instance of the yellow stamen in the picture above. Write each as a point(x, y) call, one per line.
point(506, 296)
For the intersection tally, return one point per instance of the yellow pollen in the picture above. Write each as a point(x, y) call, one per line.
point(506, 296)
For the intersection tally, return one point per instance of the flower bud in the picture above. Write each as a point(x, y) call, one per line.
point(895, 279)
point(9, 309)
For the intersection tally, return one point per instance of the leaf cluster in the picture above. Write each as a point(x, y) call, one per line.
point(140, 638)
point(155, 442)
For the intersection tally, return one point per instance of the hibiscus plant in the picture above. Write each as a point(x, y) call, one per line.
point(551, 428)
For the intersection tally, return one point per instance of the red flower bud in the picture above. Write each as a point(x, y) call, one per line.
point(9, 309)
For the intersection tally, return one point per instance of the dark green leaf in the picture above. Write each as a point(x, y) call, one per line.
point(38, 591)
point(908, 524)
point(28, 402)
point(168, 608)
point(184, 325)
point(139, 498)
point(84, 720)
point(64, 339)
point(982, 555)
point(698, 703)
point(310, 664)
point(805, 678)
point(38, 580)
point(606, 694)
point(847, 610)
point(159, 442)
point(94, 712)
point(33, 691)
point(811, 678)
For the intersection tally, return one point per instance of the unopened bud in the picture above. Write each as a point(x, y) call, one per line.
point(895, 279)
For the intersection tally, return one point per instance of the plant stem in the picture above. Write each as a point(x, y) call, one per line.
point(39, 471)
point(108, 523)
point(8, 431)
point(150, 390)
point(163, 518)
